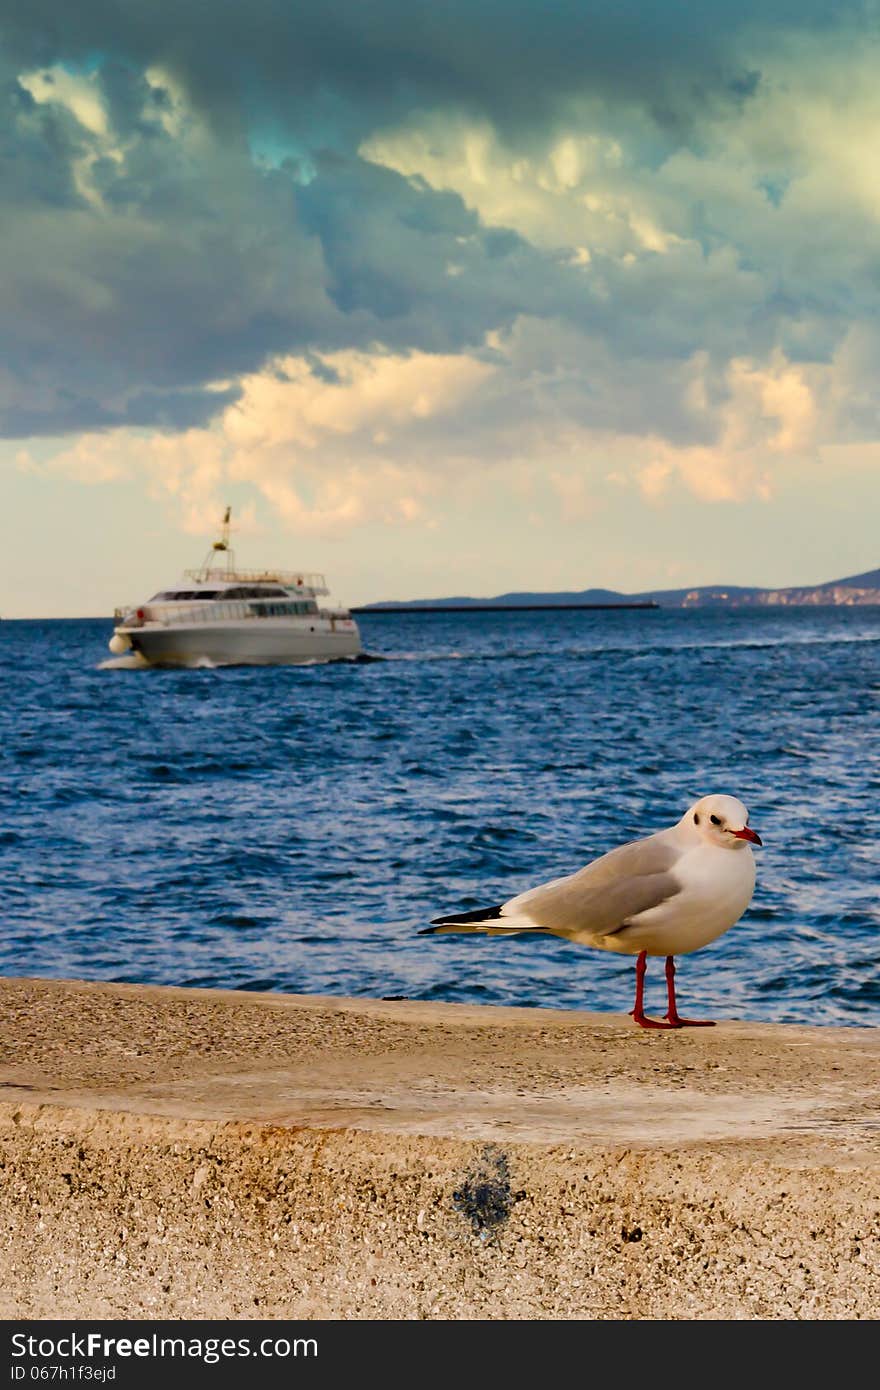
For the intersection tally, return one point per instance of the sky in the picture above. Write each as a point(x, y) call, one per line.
point(442, 299)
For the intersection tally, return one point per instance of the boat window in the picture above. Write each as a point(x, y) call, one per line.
point(265, 609)
point(185, 595)
point(252, 591)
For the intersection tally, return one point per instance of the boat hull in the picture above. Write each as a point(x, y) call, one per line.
point(245, 644)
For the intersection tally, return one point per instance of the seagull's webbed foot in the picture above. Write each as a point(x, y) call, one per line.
point(672, 1014)
point(644, 1022)
point(672, 1018)
point(637, 1012)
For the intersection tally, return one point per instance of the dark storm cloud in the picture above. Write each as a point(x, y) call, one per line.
point(186, 273)
point(144, 265)
point(333, 66)
point(415, 268)
point(69, 413)
point(170, 272)
point(38, 145)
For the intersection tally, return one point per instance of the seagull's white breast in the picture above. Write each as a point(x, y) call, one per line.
point(716, 888)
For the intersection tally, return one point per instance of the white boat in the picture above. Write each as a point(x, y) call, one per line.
point(224, 616)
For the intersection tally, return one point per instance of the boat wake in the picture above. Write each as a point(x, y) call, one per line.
point(131, 661)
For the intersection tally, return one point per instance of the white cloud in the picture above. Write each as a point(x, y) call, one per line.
point(329, 450)
point(568, 193)
point(79, 93)
point(290, 404)
point(355, 441)
point(355, 438)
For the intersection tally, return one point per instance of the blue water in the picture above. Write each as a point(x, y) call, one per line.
point(292, 828)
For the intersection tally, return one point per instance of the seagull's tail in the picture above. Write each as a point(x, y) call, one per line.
point(491, 921)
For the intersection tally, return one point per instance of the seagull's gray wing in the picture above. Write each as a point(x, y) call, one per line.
point(602, 897)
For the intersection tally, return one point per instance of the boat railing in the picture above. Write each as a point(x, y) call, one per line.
point(211, 611)
point(291, 579)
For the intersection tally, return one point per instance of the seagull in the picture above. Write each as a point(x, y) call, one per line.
point(666, 895)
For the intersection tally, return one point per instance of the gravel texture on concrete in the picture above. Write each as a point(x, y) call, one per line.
point(174, 1153)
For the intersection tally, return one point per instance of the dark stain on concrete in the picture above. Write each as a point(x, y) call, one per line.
point(484, 1198)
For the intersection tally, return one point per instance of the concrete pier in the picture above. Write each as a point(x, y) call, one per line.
point(199, 1153)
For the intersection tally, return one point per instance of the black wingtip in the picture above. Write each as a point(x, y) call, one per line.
point(461, 919)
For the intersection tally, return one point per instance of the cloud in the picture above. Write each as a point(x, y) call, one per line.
point(325, 65)
point(78, 93)
point(341, 440)
point(364, 260)
point(148, 274)
point(154, 261)
point(353, 393)
point(353, 441)
point(330, 442)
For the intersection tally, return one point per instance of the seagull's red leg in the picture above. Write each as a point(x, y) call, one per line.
point(672, 1012)
point(638, 1013)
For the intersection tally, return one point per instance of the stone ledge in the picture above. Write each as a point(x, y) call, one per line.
point(193, 1153)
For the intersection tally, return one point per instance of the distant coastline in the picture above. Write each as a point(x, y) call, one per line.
point(859, 590)
point(496, 606)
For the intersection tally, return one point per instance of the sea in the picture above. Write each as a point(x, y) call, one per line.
point(293, 828)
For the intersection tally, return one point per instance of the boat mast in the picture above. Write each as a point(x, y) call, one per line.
point(223, 547)
point(223, 543)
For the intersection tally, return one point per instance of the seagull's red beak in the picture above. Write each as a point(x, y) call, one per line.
point(747, 834)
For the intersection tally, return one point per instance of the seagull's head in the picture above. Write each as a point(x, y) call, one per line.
point(722, 821)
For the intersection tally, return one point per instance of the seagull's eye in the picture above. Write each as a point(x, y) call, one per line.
point(715, 820)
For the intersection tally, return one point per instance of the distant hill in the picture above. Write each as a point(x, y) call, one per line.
point(869, 580)
point(512, 600)
point(857, 590)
